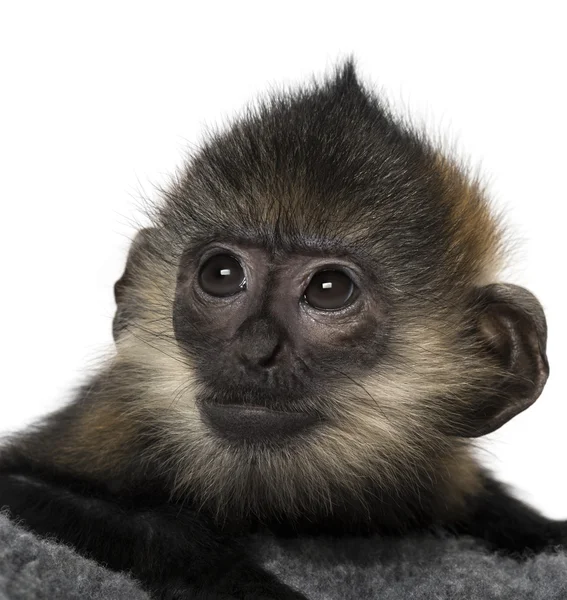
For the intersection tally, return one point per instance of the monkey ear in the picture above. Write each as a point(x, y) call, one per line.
point(125, 303)
point(512, 327)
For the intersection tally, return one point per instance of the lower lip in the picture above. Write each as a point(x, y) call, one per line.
point(239, 422)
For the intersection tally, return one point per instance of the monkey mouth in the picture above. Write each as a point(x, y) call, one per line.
point(245, 422)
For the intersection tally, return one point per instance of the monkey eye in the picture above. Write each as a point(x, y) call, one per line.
point(222, 275)
point(330, 290)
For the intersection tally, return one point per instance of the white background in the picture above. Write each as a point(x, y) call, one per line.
point(98, 102)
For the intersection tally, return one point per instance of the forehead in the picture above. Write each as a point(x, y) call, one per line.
point(329, 171)
point(279, 242)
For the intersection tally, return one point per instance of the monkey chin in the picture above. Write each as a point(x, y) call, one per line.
point(248, 423)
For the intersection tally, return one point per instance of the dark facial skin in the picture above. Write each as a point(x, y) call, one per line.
point(283, 325)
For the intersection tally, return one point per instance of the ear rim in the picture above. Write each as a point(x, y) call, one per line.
point(123, 314)
point(528, 310)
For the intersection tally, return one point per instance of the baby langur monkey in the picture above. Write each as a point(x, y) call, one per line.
point(307, 338)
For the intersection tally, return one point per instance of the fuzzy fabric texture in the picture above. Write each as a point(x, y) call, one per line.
point(413, 568)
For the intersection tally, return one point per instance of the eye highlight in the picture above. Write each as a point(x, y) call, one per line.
point(330, 289)
point(222, 275)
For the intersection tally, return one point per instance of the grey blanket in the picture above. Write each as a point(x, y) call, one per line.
point(355, 569)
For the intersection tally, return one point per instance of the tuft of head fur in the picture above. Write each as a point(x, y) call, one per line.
point(331, 162)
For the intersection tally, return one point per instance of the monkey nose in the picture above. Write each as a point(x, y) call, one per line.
point(260, 345)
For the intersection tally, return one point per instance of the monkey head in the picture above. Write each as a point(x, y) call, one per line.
point(313, 313)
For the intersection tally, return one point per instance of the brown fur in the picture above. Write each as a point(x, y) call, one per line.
point(384, 427)
point(386, 432)
point(475, 231)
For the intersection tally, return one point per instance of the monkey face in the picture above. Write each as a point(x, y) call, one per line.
point(311, 315)
point(271, 334)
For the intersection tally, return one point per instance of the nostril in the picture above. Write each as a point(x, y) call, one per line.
point(269, 360)
point(262, 356)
